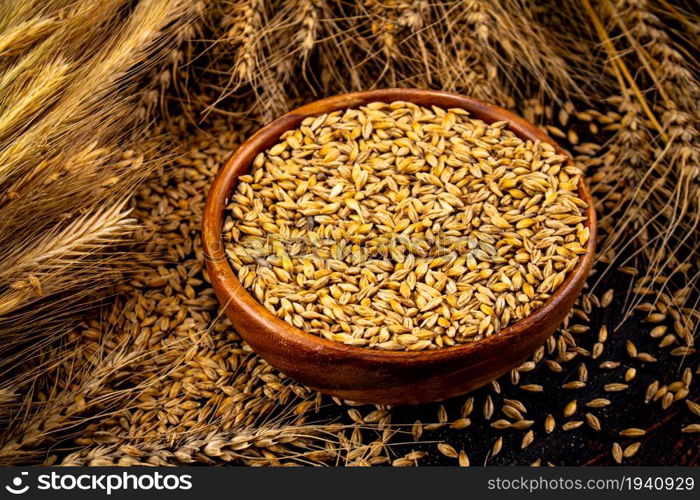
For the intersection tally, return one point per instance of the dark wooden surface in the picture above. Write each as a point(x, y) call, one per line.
point(367, 374)
point(664, 443)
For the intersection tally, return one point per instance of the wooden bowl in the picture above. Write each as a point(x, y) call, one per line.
point(370, 375)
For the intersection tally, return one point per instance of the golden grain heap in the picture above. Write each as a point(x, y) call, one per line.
point(395, 226)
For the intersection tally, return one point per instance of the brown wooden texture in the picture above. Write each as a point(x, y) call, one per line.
point(369, 375)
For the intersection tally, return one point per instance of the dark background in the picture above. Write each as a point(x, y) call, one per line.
point(663, 444)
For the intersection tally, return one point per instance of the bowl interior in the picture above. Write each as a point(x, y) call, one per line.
point(224, 280)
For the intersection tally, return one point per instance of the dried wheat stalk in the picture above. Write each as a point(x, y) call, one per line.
point(70, 80)
point(493, 51)
point(654, 155)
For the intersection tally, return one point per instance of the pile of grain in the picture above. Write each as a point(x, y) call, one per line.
point(395, 226)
